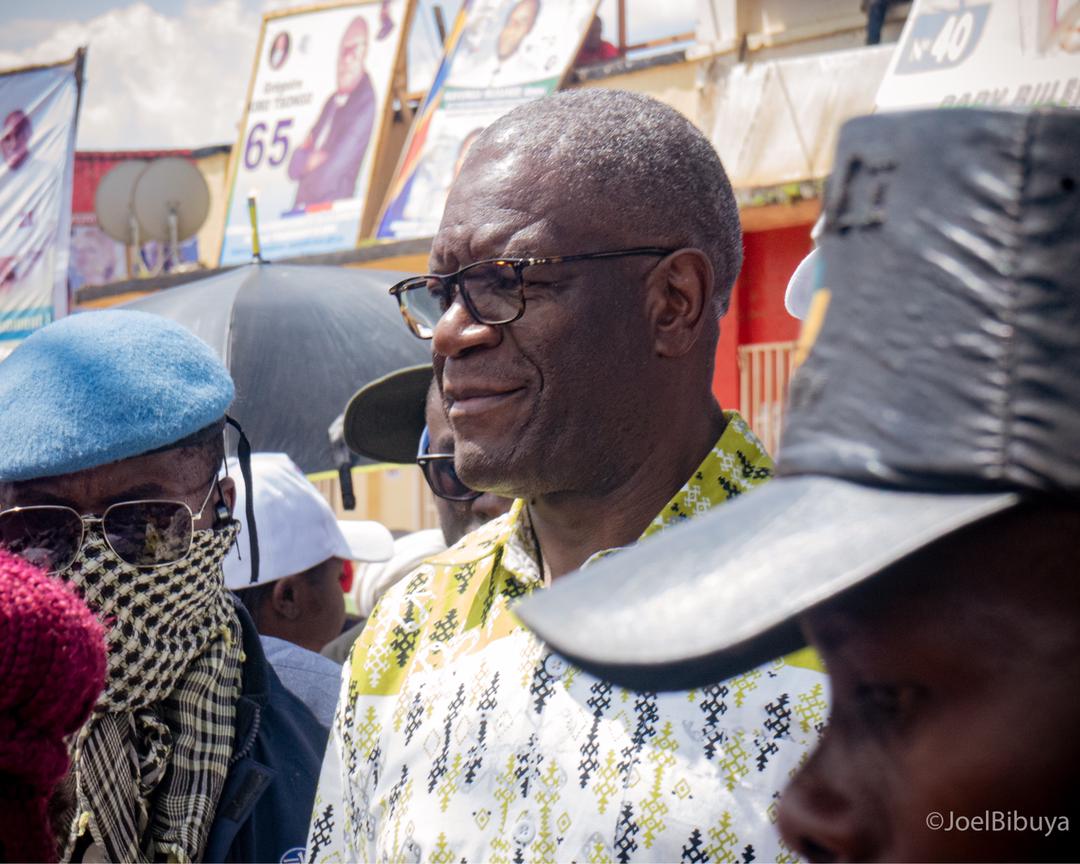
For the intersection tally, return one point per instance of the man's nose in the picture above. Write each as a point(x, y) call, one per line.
point(457, 332)
point(816, 819)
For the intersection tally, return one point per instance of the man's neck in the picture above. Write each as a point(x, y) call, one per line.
point(572, 526)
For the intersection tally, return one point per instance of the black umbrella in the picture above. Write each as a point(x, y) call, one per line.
point(299, 340)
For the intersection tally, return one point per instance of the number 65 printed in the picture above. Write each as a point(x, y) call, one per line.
point(255, 148)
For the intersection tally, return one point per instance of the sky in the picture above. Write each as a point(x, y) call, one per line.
point(174, 73)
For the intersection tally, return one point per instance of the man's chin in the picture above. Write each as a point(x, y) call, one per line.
point(488, 474)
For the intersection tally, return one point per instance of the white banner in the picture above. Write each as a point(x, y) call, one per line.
point(311, 130)
point(995, 53)
point(38, 108)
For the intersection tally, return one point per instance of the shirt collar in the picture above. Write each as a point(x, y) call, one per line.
point(737, 462)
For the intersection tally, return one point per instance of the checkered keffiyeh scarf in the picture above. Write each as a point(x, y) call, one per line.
point(149, 766)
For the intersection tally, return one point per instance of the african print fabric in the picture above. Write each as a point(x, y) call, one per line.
point(459, 736)
point(149, 766)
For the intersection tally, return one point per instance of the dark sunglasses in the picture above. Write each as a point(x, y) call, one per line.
point(439, 472)
point(493, 290)
point(149, 533)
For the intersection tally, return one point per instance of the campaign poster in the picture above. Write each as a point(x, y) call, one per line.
point(317, 107)
point(500, 54)
point(38, 109)
point(994, 54)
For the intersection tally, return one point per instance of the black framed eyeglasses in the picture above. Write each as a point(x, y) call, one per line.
point(148, 533)
point(440, 474)
point(492, 290)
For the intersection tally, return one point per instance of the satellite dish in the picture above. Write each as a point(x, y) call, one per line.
point(171, 200)
point(113, 200)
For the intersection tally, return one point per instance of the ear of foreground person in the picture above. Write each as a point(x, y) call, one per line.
point(923, 528)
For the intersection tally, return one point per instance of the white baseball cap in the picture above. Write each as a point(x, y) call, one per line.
point(804, 281)
point(297, 528)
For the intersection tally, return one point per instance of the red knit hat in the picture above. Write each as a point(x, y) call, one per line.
point(52, 669)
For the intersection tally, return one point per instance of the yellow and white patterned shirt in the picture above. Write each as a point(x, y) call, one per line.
point(459, 736)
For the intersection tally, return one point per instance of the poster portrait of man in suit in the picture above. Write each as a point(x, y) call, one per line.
point(326, 165)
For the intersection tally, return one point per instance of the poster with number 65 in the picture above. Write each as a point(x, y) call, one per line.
point(315, 116)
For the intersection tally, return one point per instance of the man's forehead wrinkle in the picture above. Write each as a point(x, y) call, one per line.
point(491, 225)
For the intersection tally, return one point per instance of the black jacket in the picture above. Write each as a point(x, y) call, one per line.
point(265, 807)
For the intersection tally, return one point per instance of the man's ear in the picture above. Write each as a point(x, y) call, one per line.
point(285, 599)
point(679, 301)
point(228, 492)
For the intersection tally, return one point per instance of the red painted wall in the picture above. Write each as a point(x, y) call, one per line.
point(757, 312)
point(91, 166)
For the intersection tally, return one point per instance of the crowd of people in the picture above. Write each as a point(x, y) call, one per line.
point(629, 641)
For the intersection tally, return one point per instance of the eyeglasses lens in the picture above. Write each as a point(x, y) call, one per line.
point(444, 481)
point(493, 289)
point(47, 537)
point(495, 292)
point(423, 303)
point(148, 533)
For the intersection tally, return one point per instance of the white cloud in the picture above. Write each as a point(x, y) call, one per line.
point(160, 80)
point(155, 80)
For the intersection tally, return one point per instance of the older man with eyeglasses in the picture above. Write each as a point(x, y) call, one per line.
point(587, 250)
point(111, 439)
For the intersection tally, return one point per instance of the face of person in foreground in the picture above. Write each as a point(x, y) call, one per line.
point(457, 518)
point(351, 56)
point(954, 681)
point(519, 23)
point(551, 402)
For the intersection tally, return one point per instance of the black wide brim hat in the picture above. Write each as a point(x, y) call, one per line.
point(942, 386)
point(384, 419)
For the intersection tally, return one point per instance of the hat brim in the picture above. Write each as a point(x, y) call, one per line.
point(800, 287)
point(365, 541)
point(720, 595)
point(385, 418)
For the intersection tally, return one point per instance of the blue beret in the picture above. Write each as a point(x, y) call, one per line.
point(98, 387)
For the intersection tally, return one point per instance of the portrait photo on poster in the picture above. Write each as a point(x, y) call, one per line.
point(318, 99)
point(513, 42)
point(501, 54)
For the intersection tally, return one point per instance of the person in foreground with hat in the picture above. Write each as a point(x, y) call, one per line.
point(925, 523)
point(303, 550)
point(399, 418)
point(584, 267)
point(111, 439)
point(52, 670)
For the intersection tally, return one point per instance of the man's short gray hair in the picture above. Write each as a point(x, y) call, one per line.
point(639, 162)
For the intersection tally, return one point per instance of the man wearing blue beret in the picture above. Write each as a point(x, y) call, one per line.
point(111, 442)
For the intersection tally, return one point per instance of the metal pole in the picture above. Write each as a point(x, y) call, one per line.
point(256, 250)
point(622, 26)
point(174, 240)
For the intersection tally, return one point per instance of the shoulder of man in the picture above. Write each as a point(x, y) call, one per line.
point(312, 678)
point(282, 729)
point(383, 654)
